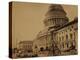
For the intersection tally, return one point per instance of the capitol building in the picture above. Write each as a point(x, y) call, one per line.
point(59, 37)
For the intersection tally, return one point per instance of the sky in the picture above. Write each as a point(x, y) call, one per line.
point(27, 19)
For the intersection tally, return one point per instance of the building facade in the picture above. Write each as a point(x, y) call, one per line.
point(59, 36)
point(26, 45)
point(66, 36)
point(25, 48)
point(42, 41)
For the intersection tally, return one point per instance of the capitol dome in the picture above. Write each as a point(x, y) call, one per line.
point(55, 17)
point(56, 9)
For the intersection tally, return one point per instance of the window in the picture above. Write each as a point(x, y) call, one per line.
point(63, 45)
point(67, 41)
point(67, 45)
point(46, 48)
point(62, 37)
point(41, 49)
point(66, 37)
point(70, 36)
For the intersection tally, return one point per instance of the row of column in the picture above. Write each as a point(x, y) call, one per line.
point(55, 21)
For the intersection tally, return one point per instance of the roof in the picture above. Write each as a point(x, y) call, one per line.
point(55, 7)
point(43, 32)
point(25, 42)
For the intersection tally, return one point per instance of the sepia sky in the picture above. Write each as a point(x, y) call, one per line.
point(27, 19)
